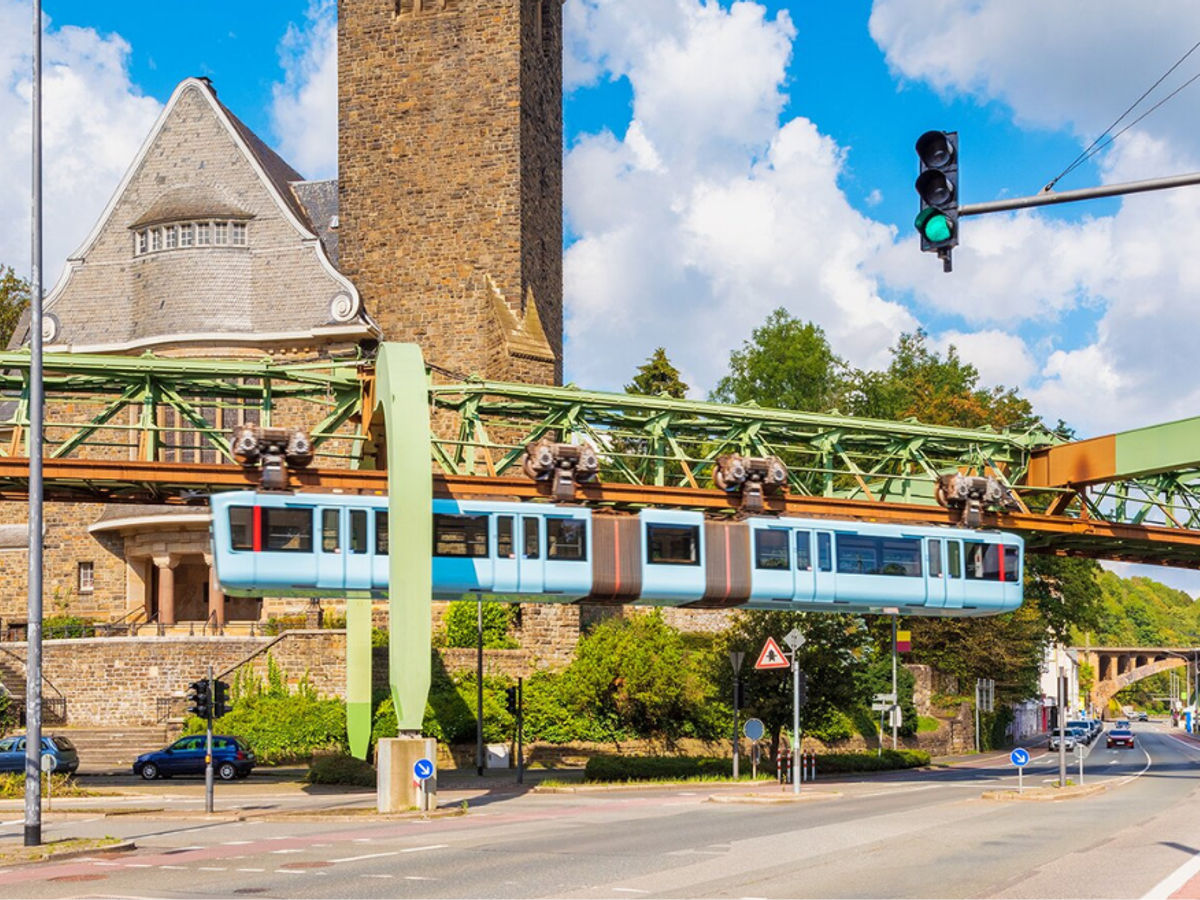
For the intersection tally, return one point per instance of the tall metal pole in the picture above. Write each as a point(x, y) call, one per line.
point(1062, 720)
point(976, 715)
point(520, 730)
point(895, 728)
point(208, 760)
point(33, 659)
point(479, 688)
point(735, 661)
point(795, 722)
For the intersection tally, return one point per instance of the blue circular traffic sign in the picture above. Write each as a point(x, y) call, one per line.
point(1019, 757)
point(754, 729)
point(423, 769)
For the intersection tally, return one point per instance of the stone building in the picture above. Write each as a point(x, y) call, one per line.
point(211, 246)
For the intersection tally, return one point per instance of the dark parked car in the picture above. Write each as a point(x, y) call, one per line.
point(232, 758)
point(1143, 717)
point(12, 753)
point(1120, 737)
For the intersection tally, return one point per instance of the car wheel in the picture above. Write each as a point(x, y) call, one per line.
point(227, 771)
point(149, 771)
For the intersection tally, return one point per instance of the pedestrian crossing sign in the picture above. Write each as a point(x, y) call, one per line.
point(771, 657)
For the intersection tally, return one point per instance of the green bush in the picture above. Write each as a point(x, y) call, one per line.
point(338, 768)
point(835, 725)
point(462, 625)
point(656, 768)
point(64, 626)
point(282, 729)
point(280, 624)
point(12, 786)
point(871, 762)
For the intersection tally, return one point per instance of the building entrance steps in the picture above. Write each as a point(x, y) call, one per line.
point(105, 751)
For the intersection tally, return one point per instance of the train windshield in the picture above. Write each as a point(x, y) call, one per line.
point(866, 555)
point(673, 545)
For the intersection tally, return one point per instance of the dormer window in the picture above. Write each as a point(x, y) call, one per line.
point(186, 235)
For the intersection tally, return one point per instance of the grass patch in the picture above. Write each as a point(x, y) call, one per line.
point(51, 849)
point(926, 724)
point(12, 787)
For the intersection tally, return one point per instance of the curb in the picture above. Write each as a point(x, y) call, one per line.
point(802, 797)
point(122, 847)
point(1045, 795)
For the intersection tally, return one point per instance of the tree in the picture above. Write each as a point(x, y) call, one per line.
point(14, 298)
point(920, 384)
point(657, 376)
point(786, 364)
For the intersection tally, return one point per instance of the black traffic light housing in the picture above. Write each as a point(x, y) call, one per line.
point(937, 186)
point(199, 698)
point(510, 695)
point(220, 700)
point(801, 688)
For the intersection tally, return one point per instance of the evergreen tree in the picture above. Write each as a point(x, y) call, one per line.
point(657, 376)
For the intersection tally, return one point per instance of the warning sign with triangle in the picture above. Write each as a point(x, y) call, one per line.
point(771, 657)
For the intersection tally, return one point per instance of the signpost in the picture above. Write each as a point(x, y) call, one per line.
point(735, 660)
point(48, 764)
point(1020, 759)
point(883, 704)
point(422, 772)
point(795, 640)
point(754, 730)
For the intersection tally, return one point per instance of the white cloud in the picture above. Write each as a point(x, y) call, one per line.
point(304, 106)
point(691, 227)
point(1001, 358)
point(94, 121)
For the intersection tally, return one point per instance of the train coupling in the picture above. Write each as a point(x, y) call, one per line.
point(565, 466)
point(272, 449)
point(750, 477)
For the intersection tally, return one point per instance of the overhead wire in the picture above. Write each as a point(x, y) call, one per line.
point(1100, 143)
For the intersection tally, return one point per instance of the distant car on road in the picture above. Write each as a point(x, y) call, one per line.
point(1070, 738)
point(1121, 723)
point(232, 758)
point(1088, 728)
point(12, 753)
point(1143, 717)
point(1120, 737)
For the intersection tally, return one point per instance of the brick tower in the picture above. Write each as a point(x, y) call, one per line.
point(450, 178)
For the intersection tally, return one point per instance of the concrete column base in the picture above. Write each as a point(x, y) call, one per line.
point(397, 788)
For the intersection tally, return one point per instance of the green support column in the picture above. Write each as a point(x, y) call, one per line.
point(402, 392)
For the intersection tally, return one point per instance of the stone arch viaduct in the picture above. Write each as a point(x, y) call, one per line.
point(1118, 667)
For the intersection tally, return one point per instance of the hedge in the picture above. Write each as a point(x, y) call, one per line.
point(871, 762)
point(609, 767)
point(337, 768)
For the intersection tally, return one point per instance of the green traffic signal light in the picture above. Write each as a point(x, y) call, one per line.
point(933, 225)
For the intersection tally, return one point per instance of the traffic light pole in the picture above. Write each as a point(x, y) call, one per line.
point(208, 766)
point(1048, 198)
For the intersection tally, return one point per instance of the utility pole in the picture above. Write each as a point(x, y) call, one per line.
point(479, 687)
point(33, 635)
point(1062, 726)
point(735, 660)
point(895, 726)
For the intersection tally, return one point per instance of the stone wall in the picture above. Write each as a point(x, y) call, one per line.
point(118, 681)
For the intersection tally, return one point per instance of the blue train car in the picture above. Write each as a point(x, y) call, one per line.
point(314, 545)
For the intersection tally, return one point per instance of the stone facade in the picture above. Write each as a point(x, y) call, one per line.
point(450, 178)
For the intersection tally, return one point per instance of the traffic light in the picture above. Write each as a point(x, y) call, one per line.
point(511, 700)
point(739, 695)
point(220, 700)
point(199, 698)
point(801, 688)
point(937, 186)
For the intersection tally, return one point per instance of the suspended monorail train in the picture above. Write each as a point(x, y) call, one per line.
point(330, 545)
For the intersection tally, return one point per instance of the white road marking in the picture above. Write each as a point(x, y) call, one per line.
point(181, 868)
point(430, 847)
point(418, 878)
point(366, 856)
point(363, 840)
point(251, 870)
point(377, 876)
point(234, 843)
point(288, 850)
point(289, 872)
point(212, 868)
point(906, 790)
point(96, 862)
point(1175, 880)
point(631, 890)
point(138, 865)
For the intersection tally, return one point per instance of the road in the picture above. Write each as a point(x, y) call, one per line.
point(912, 834)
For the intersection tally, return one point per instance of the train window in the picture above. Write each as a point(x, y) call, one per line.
point(1012, 564)
point(381, 532)
point(460, 535)
point(331, 530)
point(954, 559)
point(935, 559)
point(241, 527)
point(504, 537)
point(533, 548)
point(865, 555)
point(358, 531)
point(804, 551)
point(824, 551)
point(771, 549)
point(673, 545)
point(288, 530)
point(983, 561)
point(566, 539)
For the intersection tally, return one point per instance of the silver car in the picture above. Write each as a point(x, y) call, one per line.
point(1070, 738)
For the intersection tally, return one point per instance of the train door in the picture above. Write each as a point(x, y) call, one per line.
point(935, 573)
point(806, 576)
point(955, 586)
point(357, 551)
point(506, 568)
point(824, 577)
point(532, 573)
point(331, 566)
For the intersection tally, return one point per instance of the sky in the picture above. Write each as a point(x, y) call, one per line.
point(723, 159)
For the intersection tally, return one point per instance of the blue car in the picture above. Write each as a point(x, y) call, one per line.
point(232, 758)
point(12, 753)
